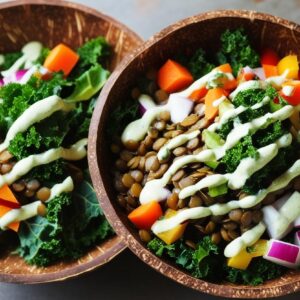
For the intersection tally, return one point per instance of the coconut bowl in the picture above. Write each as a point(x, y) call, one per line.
point(187, 35)
point(53, 22)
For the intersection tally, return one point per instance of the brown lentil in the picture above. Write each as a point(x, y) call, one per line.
point(232, 234)
point(131, 201)
point(42, 210)
point(33, 185)
point(216, 238)
point(131, 145)
point(257, 216)
point(186, 181)
point(134, 162)
point(145, 235)
point(119, 186)
point(199, 109)
point(195, 201)
point(127, 180)
point(182, 203)
point(190, 120)
point(142, 163)
point(149, 162)
point(161, 171)
point(5, 168)
point(135, 93)
point(43, 194)
point(137, 175)
point(135, 190)
point(179, 151)
point(230, 225)
point(235, 215)
point(5, 156)
point(153, 133)
point(161, 96)
point(122, 201)
point(148, 141)
point(224, 235)
point(246, 218)
point(29, 193)
point(165, 116)
point(155, 165)
point(160, 125)
point(18, 186)
point(210, 227)
point(190, 244)
point(193, 144)
point(172, 201)
point(126, 155)
point(159, 143)
point(142, 149)
point(178, 175)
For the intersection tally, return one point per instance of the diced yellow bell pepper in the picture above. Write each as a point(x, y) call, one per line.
point(289, 62)
point(174, 234)
point(240, 261)
point(243, 259)
point(259, 248)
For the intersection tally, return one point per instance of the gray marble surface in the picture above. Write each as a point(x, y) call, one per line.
point(126, 277)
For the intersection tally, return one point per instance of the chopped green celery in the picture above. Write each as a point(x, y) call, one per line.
point(212, 140)
point(224, 106)
point(219, 190)
point(89, 83)
point(212, 164)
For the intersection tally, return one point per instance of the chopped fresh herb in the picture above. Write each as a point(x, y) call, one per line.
point(72, 225)
point(9, 59)
point(199, 64)
point(233, 156)
point(237, 50)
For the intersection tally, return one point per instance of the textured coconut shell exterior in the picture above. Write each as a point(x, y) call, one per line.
point(199, 31)
point(53, 22)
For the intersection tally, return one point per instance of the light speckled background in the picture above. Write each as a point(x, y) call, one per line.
point(126, 277)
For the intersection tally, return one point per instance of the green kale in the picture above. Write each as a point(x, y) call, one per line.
point(278, 165)
point(251, 97)
point(121, 116)
point(233, 156)
point(237, 50)
point(92, 53)
point(73, 224)
point(51, 172)
point(269, 135)
point(199, 64)
point(9, 59)
point(44, 53)
point(18, 97)
point(225, 129)
point(258, 272)
point(158, 247)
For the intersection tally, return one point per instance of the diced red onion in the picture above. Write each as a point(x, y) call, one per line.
point(297, 223)
point(285, 254)
point(1, 82)
point(15, 77)
point(179, 107)
point(146, 102)
point(260, 73)
point(247, 70)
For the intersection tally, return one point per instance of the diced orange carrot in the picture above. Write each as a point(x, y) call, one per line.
point(270, 70)
point(7, 195)
point(173, 77)
point(145, 215)
point(61, 58)
point(212, 95)
point(199, 94)
point(226, 68)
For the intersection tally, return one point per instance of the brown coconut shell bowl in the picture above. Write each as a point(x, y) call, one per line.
point(199, 31)
point(53, 22)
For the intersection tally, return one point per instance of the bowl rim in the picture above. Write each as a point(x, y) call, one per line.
point(117, 245)
point(161, 266)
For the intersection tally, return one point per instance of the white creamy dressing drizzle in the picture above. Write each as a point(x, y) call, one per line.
point(223, 208)
point(277, 81)
point(288, 90)
point(22, 167)
point(31, 210)
point(34, 114)
point(247, 167)
point(31, 51)
point(136, 130)
point(247, 239)
point(217, 102)
point(240, 131)
point(251, 84)
point(177, 141)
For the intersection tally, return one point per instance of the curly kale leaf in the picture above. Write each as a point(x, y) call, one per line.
point(73, 224)
point(9, 59)
point(237, 50)
point(199, 64)
point(251, 97)
point(233, 156)
point(258, 272)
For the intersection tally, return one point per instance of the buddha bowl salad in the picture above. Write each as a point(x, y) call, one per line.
point(48, 208)
point(208, 166)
